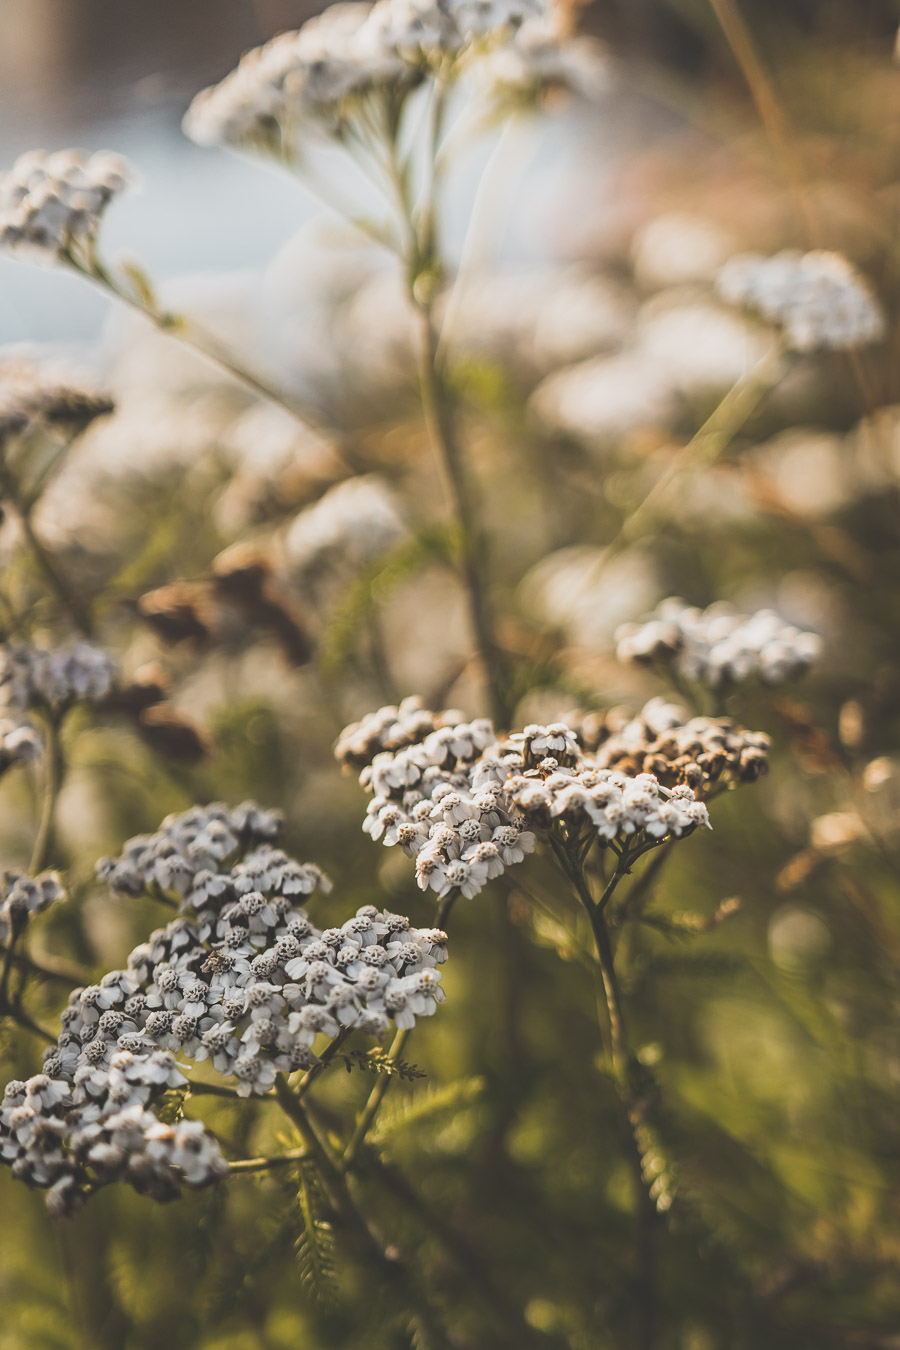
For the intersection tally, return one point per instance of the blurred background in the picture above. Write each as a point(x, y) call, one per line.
point(586, 352)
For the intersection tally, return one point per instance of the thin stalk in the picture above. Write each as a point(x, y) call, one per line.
point(272, 1164)
point(366, 1117)
point(185, 331)
point(54, 769)
point(6, 972)
point(771, 113)
point(623, 1062)
point(440, 420)
point(444, 908)
point(70, 600)
point(57, 971)
point(705, 446)
point(321, 1064)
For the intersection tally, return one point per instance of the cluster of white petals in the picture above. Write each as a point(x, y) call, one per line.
point(53, 203)
point(718, 645)
point(467, 806)
point(242, 981)
point(316, 77)
point(21, 897)
point(541, 56)
point(76, 672)
point(818, 298)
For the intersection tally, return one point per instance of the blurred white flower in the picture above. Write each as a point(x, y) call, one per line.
point(818, 298)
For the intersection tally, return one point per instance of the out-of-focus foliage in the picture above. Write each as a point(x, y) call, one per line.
point(261, 586)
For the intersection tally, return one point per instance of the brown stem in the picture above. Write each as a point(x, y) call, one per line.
point(771, 113)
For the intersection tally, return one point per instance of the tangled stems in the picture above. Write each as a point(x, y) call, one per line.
point(368, 1245)
point(570, 854)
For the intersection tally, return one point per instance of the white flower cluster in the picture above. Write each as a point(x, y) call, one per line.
point(702, 752)
point(243, 980)
point(57, 1135)
point(52, 203)
point(540, 56)
point(466, 807)
point(818, 298)
point(20, 743)
point(315, 76)
point(718, 646)
point(21, 897)
point(73, 673)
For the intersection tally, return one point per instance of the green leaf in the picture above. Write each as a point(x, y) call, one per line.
point(428, 1106)
point(314, 1246)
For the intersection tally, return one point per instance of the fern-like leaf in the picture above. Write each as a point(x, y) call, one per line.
point(315, 1244)
point(379, 1062)
point(426, 1107)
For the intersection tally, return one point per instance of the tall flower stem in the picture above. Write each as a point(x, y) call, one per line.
point(186, 332)
point(54, 770)
point(367, 1243)
point(440, 419)
point(438, 405)
point(630, 1095)
point(366, 1117)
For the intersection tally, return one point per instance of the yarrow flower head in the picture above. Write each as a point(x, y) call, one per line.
point(703, 753)
point(467, 806)
point(319, 77)
point(22, 897)
point(242, 982)
point(819, 299)
point(53, 204)
point(76, 672)
point(718, 645)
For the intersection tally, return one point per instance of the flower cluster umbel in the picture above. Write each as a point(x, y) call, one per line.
point(55, 678)
point(353, 57)
point(52, 204)
point(719, 646)
point(21, 897)
point(818, 299)
point(466, 805)
point(242, 980)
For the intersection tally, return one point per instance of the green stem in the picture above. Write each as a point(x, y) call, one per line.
point(55, 768)
point(70, 600)
point(321, 1065)
point(440, 420)
point(634, 1110)
point(64, 973)
point(714, 436)
point(279, 1160)
point(369, 1246)
point(366, 1117)
point(186, 332)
